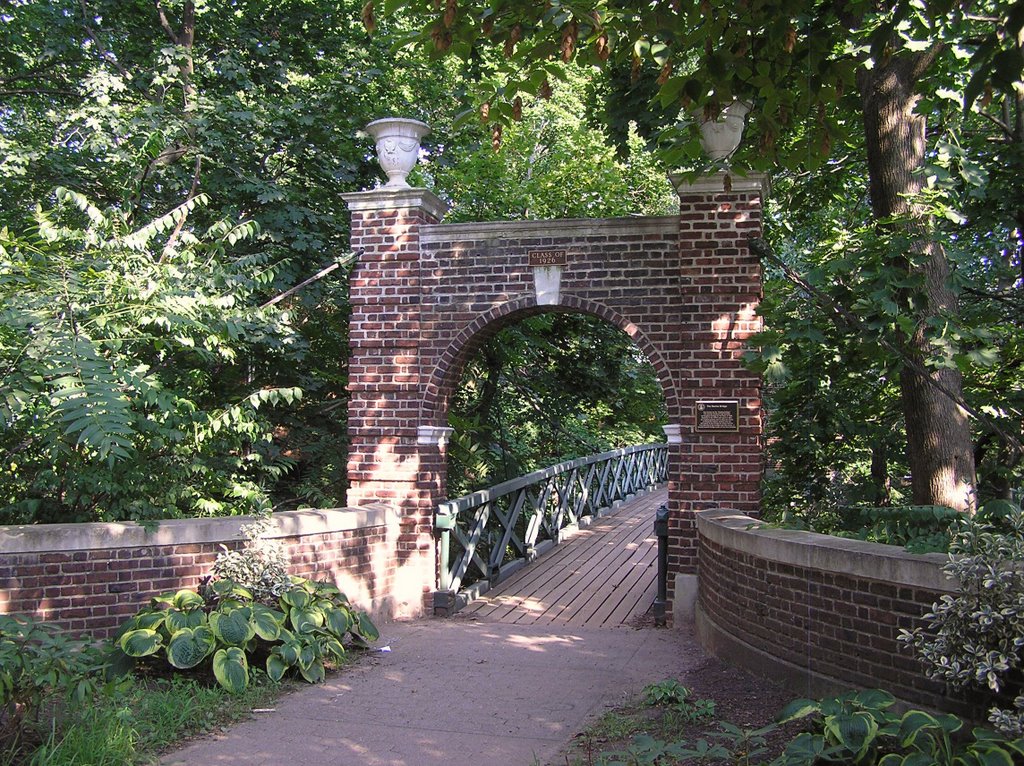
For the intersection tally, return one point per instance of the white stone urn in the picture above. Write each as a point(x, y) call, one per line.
point(721, 137)
point(398, 147)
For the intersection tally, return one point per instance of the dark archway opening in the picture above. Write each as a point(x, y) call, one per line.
point(552, 387)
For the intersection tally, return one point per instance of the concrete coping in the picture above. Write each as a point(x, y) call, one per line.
point(856, 558)
point(564, 228)
point(44, 538)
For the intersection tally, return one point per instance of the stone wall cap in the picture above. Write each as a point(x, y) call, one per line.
point(857, 558)
point(715, 183)
point(60, 538)
point(397, 199)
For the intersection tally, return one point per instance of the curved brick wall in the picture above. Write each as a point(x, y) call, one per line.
point(819, 614)
point(90, 577)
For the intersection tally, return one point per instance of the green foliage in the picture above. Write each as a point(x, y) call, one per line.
point(306, 626)
point(918, 528)
point(136, 724)
point(859, 728)
point(855, 728)
point(260, 565)
point(111, 335)
point(552, 164)
point(667, 692)
point(40, 663)
point(552, 387)
point(973, 639)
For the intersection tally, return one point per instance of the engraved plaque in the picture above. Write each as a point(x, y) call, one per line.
point(548, 257)
point(718, 415)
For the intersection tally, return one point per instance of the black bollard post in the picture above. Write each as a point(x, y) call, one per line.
point(661, 530)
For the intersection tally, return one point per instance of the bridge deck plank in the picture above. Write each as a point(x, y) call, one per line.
point(605, 575)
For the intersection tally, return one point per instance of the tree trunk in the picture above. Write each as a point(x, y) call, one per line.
point(881, 484)
point(939, 446)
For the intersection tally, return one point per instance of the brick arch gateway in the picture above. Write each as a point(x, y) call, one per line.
point(442, 384)
point(425, 294)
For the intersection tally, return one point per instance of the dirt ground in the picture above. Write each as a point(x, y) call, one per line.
point(740, 698)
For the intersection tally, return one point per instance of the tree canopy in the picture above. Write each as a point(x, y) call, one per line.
point(901, 114)
point(170, 171)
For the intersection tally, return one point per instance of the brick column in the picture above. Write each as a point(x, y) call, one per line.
point(390, 459)
point(721, 284)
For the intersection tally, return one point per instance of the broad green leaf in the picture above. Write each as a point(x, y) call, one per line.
point(313, 672)
point(339, 621)
point(798, 708)
point(290, 652)
point(993, 756)
point(231, 669)
point(307, 654)
point(267, 622)
point(233, 627)
point(296, 598)
point(141, 643)
point(188, 647)
point(366, 627)
point(276, 667)
point(333, 648)
point(306, 620)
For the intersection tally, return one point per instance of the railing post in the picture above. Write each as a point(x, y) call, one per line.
point(444, 596)
point(661, 531)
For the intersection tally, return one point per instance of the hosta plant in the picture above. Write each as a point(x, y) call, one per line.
point(860, 728)
point(309, 625)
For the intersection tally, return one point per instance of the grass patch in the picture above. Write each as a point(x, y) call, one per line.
point(136, 725)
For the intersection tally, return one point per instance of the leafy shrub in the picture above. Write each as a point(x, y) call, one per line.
point(676, 697)
point(260, 565)
point(918, 528)
point(974, 639)
point(37, 663)
point(149, 399)
point(306, 627)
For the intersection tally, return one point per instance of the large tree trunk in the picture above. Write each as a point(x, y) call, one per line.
point(939, 447)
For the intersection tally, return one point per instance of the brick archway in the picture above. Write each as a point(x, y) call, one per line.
point(423, 294)
point(442, 383)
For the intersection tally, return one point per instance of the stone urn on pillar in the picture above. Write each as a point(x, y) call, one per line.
point(720, 137)
point(398, 147)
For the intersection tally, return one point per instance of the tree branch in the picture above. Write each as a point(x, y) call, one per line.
point(319, 275)
point(191, 195)
point(844, 319)
point(165, 23)
point(36, 92)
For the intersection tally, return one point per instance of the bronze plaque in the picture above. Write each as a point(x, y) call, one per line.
point(718, 415)
point(548, 258)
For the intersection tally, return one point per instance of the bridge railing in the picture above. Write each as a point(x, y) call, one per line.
point(487, 535)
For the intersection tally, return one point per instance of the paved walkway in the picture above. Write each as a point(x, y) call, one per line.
point(509, 682)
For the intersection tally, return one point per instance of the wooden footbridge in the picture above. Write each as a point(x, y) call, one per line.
point(604, 576)
point(587, 523)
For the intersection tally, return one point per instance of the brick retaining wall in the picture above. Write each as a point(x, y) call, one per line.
point(90, 577)
point(817, 613)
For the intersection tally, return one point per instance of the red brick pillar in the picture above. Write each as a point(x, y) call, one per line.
point(392, 460)
point(717, 443)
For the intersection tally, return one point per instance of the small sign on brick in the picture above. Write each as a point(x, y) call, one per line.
point(548, 257)
point(718, 415)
